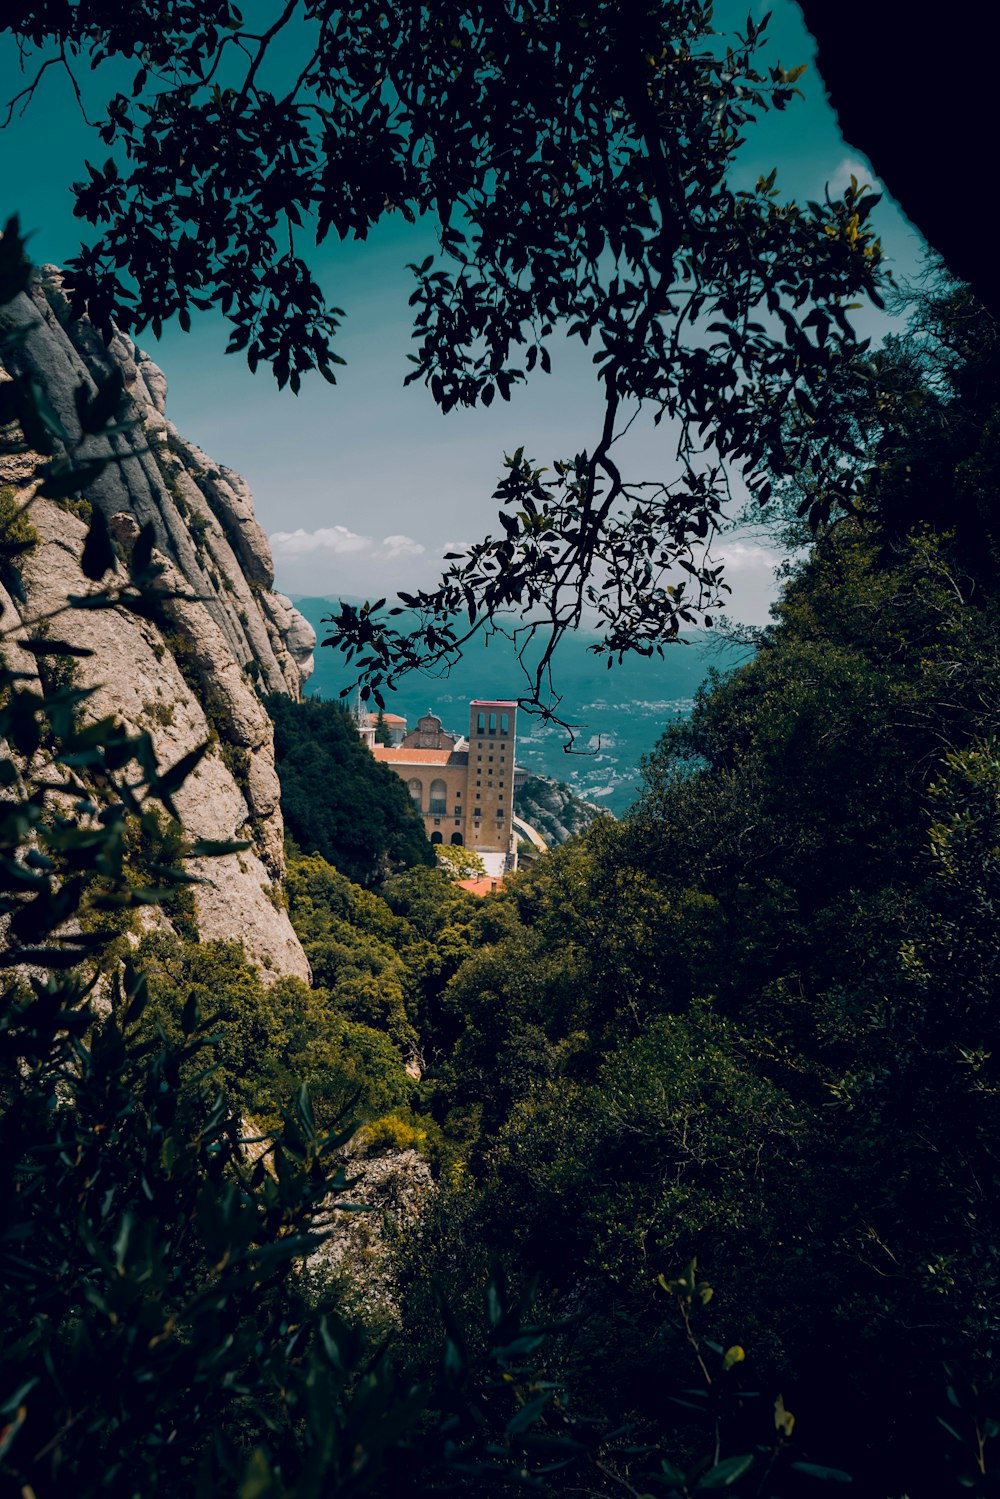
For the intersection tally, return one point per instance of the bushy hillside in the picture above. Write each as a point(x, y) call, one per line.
point(337, 800)
point(709, 1095)
point(755, 1025)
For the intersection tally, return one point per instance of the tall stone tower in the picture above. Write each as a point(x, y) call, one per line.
point(464, 790)
point(490, 806)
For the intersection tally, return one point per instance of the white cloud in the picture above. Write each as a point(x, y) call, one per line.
point(848, 167)
point(338, 541)
point(335, 540)
point(400, 546)
point(747, 556)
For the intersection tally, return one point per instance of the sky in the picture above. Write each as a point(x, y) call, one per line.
point(363, 487)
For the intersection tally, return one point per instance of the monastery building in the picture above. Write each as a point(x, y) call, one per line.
point(464, 788)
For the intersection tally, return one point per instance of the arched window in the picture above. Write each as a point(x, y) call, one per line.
point(439, 798)
point(436, 838)
point(416, 790)
point(457, 839)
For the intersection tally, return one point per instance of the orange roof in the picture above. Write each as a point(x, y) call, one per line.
point(485, 884)
point(386, 718)
point(398, 756)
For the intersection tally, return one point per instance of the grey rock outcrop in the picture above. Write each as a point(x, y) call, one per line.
point(393, 1190)
point(202, 511)
point(228, 637)
point(554, 810)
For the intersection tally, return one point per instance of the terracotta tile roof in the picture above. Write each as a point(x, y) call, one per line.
point(484, 885)
point(393, 755)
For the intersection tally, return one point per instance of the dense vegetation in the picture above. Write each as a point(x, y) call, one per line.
point(337, 801)
point(751, 1031)
point(756, 1023)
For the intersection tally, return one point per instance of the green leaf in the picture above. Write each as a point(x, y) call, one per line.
point(191, 1014)
point(258, 1480)
point(44, 409)
point(142, 551)
point(175, 777)
point(62, 480)
point(866, 204)
point(726, 1473)
point(15, 267)
point(528, 1414)
point(214, 848)
point(96, 411)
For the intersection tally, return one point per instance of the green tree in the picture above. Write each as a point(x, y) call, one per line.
point(382, 733)
point(336, 799)
point(147, 1264)
point(348, 936)
point(755, 1021)
point(353, 1072)
point(460, 863)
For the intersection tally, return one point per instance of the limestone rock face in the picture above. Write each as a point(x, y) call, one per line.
point(229, 637)
point(555, 811)
point(395, 1189)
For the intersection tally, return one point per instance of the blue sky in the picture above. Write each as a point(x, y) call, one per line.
point(364, 486)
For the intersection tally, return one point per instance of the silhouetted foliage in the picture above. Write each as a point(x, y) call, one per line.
point(579, 169)
point(157, 1333)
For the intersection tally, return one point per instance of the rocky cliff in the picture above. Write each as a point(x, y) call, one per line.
point(229, 636)
point(554, 810)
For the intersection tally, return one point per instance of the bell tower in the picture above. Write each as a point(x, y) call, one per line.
point(490, 806)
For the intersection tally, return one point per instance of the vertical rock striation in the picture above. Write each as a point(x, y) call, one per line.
point(228, 637)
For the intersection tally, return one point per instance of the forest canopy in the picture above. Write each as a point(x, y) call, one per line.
point(710, 1095)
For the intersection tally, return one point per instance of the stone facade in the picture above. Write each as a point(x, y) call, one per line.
point(463, 787)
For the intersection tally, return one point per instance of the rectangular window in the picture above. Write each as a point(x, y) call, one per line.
point(504, 723)
point(480, 722)
point(477, 798)
point(493, 723)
